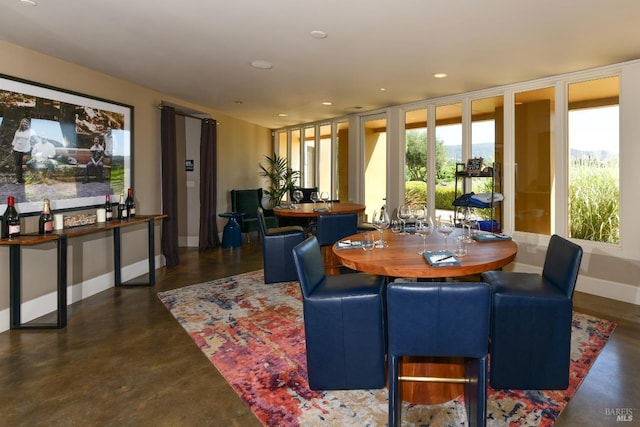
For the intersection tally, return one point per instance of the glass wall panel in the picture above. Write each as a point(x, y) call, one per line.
point(309, 158)
point(294, 158)
point(281, 140)
point(487, 141)
point(448, 153)
point(534, 168)
point(415, 159)
point(375, 164)
point(594, 143)
point(325, 182)
point(342, 161)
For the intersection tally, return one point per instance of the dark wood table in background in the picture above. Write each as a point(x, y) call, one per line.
point(60, 237)
point(306, 210)
point(304, 215)
point(401, 259)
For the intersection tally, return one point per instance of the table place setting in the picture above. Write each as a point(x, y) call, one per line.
point(349, 244)
point(490, 237)
point(440, 258)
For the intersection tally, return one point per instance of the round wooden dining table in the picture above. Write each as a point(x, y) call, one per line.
point(402, 259)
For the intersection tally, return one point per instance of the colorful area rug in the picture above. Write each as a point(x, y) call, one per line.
point(254, 334)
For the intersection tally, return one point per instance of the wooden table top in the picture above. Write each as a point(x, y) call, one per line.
point(401, 258)
point(305, 210)
point(28, 239)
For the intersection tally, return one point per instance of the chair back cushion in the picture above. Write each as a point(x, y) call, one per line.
point(246, 201)
point(562, 263)
point(438, 318)
point(333, 227)
point(309, 265)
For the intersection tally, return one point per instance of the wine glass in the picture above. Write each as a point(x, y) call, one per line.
point(469, 221)
point(297, 195)
point(315, 198)
point(395, 226)
point(420, 212)
point(381, 223)
point(325, 198)
point(404, 213)
point(445, 227)
point(424, 227)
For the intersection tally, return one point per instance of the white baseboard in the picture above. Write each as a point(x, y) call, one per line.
point(589, 285)
point(48, 303)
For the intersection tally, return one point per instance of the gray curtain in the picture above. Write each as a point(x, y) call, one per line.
point(208, 185)
point(169, 186)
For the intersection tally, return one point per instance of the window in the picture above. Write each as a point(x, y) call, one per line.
point(534, 168)
point(309, 158)
point(324, 160)
point(342, 161)
point(487, 141)
point(415, 163)
point(594, 185)
point(294, 157)
point(375, 163)
point(448, 153)
point(282, 144)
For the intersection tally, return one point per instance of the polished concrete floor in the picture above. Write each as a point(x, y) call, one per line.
point(124, 361)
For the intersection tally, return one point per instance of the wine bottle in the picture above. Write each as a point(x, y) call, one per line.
point(131, 204)
point(10, 220)
point(122, 207)
point(108, 208)
point(45, 223)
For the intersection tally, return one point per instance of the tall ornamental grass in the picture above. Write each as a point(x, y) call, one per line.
point(594, 203)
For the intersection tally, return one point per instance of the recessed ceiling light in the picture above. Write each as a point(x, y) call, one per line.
point(237, 102)
point(283, 115)
point(29, 2)
point(262, 64)
point(440, 75)
point(318, 34)
point(382, 89)
point(327, 103)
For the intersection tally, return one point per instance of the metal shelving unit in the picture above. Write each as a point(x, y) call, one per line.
point(464, 176)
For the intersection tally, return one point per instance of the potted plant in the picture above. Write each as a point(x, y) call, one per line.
point(280, 176)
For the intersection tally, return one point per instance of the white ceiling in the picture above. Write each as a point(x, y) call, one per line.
point(200, 51)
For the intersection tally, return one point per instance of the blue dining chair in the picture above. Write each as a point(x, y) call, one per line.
point(531, 321)
point(440, 319)
point(343, 324)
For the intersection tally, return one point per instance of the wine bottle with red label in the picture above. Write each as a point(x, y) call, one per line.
point(10, 220)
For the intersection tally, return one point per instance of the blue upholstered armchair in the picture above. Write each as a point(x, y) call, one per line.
point(343, 324)
point(277, 244)
point(531, 321)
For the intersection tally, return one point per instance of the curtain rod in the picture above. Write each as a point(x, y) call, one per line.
point(180, 113)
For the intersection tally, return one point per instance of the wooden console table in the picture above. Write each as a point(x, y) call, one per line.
point(61, 236)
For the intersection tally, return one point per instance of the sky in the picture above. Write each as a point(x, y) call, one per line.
point(589, 130)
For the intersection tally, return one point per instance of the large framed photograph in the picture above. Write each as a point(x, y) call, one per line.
point(55, 144)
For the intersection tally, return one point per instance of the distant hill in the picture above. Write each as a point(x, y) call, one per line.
point(486, 151)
